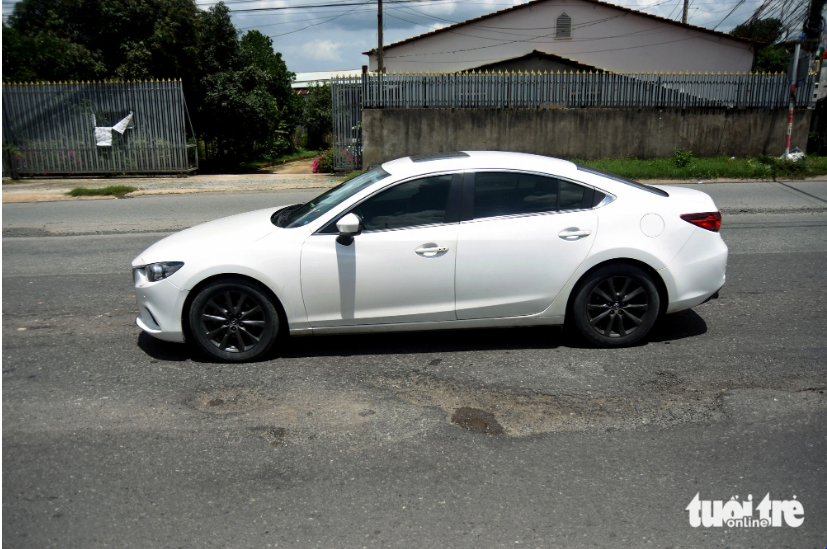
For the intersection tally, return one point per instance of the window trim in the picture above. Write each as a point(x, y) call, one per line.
point(469, 187)
point(452, 209)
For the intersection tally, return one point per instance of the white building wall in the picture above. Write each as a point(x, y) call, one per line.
point(601, 36)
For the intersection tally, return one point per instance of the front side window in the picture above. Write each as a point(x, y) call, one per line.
point(325, 202)
point(419, 202)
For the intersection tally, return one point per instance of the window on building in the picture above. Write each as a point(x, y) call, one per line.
point(563, 26)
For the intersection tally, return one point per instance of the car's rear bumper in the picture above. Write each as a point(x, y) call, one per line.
point(697, 272)
point(159, 309)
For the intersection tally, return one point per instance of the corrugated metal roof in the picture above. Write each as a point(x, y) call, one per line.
point(306, 79)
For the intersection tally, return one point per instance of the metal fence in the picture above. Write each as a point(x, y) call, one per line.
point(73, 128)
point(347, 122)
point(469, 90)
point(579, 89)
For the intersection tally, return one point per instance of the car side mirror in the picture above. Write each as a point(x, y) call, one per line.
point(348, 226)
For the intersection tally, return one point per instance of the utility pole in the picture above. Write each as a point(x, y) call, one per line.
point(380, 52)
point(792, 98)
point(685, 10)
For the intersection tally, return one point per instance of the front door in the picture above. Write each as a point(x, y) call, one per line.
point(526, 236)
point(400, 269)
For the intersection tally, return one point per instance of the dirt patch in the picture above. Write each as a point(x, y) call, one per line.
point(525, 413)
point(230, 401)
point(477, 421)
point(274, 435)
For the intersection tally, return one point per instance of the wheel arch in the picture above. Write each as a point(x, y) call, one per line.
point(185, 323)
point(663, 292)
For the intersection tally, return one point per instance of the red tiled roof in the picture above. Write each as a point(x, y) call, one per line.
point(533, 2)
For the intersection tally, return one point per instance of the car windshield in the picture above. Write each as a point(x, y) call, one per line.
point(325, 202)
point(619, 179)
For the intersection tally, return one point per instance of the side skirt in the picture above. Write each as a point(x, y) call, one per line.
point(534, 320)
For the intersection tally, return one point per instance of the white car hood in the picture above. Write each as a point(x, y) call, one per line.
point(225, 234)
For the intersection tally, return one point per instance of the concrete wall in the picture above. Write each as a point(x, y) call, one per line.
point(579, 133)
point(601, 36)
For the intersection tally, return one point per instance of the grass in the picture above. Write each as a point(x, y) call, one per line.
point(299, 154)
point(351, 175)
point(763, 167)
point(118, 191)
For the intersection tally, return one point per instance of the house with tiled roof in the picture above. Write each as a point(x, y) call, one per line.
point(569, 35)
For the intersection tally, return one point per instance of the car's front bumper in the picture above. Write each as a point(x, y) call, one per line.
point(160, 305)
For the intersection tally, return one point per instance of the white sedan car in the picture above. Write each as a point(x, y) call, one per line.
point(440, 241)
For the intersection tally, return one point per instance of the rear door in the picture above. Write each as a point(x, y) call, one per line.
point(522, 237)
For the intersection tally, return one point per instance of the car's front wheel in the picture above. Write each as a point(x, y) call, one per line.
point(233, 320)
point(616, 305)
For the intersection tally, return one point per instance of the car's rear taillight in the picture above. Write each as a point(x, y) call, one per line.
point(711, 221)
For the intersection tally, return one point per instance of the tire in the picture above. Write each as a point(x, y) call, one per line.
point(233, 320)
point(616, 305)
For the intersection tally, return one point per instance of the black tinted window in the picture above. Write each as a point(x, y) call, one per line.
point(571, 196)
point(631, 183)
point(499, 193)
point(419, 202)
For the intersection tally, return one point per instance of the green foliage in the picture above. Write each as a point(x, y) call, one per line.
point(354, 173)
point(318, 115)
point(704, 169)
point(682, 158)
point(118, 191)
point(44, 56)
point(771, 59)
point(768, 56)
point(113, 33)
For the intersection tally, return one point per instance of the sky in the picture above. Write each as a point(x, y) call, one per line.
point(332, 37)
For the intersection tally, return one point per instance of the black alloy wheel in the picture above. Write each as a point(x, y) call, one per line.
point(616, 305)
point(233, 320)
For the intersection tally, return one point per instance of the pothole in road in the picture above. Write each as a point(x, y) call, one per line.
point(274, 435)
point(476, 420)
point(525, 413)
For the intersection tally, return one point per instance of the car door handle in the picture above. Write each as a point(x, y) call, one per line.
point(573, 233)
point(430, 250)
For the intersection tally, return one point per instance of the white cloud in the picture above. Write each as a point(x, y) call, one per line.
point(322, 50)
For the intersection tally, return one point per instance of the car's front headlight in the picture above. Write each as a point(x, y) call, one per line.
point(159, 271)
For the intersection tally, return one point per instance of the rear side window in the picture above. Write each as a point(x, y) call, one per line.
point(419, 202)
point(630, 182)
point(508, 193)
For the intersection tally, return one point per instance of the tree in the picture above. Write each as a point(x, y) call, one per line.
point(45, 56)
point(246, 105)
point(768, 57)
point(257, 49)
point(318, 115)
point(150, 38)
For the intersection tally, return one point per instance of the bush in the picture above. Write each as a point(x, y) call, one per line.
point(682, 158)
point(324, 164)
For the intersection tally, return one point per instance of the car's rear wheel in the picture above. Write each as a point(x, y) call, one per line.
point(233, 320)
point(616, 305)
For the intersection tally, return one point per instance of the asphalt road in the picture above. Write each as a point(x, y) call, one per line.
point(113, 439)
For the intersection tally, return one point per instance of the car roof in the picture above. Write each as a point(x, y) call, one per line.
point(479, 160)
